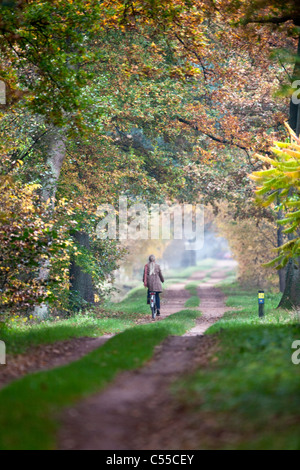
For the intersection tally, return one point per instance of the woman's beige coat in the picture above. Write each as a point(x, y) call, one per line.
point(153, 281)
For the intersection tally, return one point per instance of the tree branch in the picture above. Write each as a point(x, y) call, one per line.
point(273, 20)
point(221, 140)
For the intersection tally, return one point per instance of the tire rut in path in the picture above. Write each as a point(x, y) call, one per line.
point(137, 411)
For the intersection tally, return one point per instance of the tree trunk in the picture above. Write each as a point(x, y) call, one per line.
point(55, 149)
point(81, 284)
point(281, 272)
point(291, 294)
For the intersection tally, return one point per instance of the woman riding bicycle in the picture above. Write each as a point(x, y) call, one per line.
point(152, 279)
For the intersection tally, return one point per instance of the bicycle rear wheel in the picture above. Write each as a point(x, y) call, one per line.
point(153, 305)
point(153, 311)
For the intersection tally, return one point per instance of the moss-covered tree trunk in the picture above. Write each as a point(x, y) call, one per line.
point(291, 295)
point(54, 148)
point(81, 283)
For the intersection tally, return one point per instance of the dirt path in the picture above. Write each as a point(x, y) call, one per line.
point(137, 411)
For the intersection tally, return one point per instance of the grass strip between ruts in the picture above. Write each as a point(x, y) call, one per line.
point(194, 300)
point(29, 407)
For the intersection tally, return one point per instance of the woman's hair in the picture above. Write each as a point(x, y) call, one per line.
point(151, 264)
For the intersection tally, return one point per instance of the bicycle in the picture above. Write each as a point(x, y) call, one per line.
point(153, 304)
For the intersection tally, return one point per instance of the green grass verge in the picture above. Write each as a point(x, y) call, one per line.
point(251, 391)
point(19, 338)
point(30, 406)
